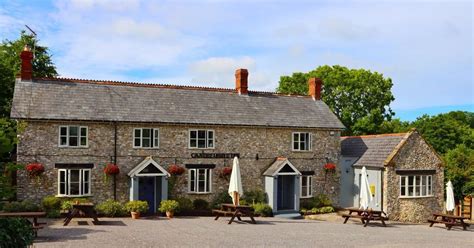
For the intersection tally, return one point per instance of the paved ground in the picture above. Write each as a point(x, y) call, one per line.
point(270, 232)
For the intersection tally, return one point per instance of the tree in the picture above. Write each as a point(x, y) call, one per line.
point(446, 131)
point(10, 66)
point(460, 170)
point(360, 98)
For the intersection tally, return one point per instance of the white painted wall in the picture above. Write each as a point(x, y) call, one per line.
point(348, 189)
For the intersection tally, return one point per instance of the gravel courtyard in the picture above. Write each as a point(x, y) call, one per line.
point(269, 232)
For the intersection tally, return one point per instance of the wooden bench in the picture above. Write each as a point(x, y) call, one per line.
point(448, 220)
point(34, 215)
point(235, 212)
point(365, 216)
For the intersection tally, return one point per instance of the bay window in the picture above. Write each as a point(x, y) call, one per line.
point(74, 182)
point(200, 180)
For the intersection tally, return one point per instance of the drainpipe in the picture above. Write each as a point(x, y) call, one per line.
point(115, 159)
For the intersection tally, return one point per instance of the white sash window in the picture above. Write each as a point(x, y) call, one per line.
point(74, 182)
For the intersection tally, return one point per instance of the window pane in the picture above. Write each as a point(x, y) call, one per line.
point(73, 131)
point(193, 143)
point(85, 188)
point(84, 131)
point(64, 141)
point(72, 141)
point(74, 176)
point(430, 185)
point(146, 142)
point(296, 137)
point(303, 146)
point(86, 178)
point(63, 131)
point(192, 134)
point(146, 133)
point(74, 188)
point(201, 134)
point(202, 143)
point(138, 133)
point(410, 186)
point(423, 185)
point(156, 138)
point(62, 182)
point(210, 134)
point(192, 180)
point(137, 142)
point(402, 186)
point(295, 145)
point(83, 141)
point(304, 181)
point(210, 143)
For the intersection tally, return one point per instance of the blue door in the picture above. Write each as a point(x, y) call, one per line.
point(146, 192)
point(286, 192)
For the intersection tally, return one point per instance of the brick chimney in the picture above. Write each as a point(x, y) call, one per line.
point(26, 71)
point(315, 85)
point(241, 81)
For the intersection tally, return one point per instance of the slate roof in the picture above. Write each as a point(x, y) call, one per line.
point(372, 150)
point(88, 100)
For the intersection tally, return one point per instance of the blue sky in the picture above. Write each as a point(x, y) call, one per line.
point(426, 47)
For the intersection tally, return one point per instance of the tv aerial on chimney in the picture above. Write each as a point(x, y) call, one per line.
point(34, 41)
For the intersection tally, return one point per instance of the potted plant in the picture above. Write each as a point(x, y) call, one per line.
point(111, 169)
point(225, 172)
point(34, 169)
point(170, 207)
point(176, 170)
point(136, 208)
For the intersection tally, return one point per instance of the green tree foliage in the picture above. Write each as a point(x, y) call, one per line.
point(360, 98)
point(10, 66)
point(460, 170)
point(446, 131)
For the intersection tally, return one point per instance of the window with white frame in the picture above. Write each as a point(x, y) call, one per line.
point(73, 136)
point(306, 186)
point(74, 182)
point(201, 139)
point(301, 141)
point(416, 186)
point(200, 180)
point(146, 138)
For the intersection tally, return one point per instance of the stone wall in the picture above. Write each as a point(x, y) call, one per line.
point(415, 154)
point(39, 143)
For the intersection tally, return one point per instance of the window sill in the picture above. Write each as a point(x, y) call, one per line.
point(306, 197)
point(415, 197)
point(199, 193)
point(72, 196)
point(73, 147)
point(146, 148)
point(195, 148)
point(302, 151)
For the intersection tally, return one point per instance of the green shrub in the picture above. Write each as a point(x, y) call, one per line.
point(169, 206)
point(315, 211)
point(15, 232)
point(222, 197)
point(185, 204)
point(327, 209)
point(67, 204)
point(200, 204)
point(23, 206)
point(53, 213)
point(137, 206)
point(255, 196)
point(111, 208)
point(324, 200)
point(318, 201)
point(262, 209)
point(243, 202)
point(51, 203)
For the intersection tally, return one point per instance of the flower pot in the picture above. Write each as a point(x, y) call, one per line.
point(169, 214)
point(135, 215)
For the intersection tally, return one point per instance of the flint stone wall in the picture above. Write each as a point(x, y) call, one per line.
point(39, 143)
point(415, 154)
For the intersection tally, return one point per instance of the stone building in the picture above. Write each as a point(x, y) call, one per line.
point(74, 127)
point(405, 174)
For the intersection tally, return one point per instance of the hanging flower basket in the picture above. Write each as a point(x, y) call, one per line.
point(34, 169)
point(330, 167)
point(111, 169)
point(175, 170)
point(225, 172)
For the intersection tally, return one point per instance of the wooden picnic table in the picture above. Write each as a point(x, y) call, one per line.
point(365, 215)
point(449, 220)
point(235, 212)
point(87, 209)
point(26, 215)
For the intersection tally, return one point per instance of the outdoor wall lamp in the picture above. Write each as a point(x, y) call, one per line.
point(256, 156)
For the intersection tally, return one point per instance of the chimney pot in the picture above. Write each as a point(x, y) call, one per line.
point(314, 89)
point(241, 81)
point(26, 70)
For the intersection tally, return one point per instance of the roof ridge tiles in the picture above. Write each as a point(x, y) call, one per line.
point(158, 85)
point(374, 135)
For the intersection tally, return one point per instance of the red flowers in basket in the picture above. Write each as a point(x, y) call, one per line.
point(35, 169)
point(330, 167)
point(111, 169)
point(176, 170)
point(226, 171)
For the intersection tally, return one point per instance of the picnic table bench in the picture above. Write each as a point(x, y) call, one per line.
point(365, 216)
point(26, 215)
point(86, 208)
point(234, 211)
point(449, 220)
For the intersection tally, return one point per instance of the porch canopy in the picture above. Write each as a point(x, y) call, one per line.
point(148, 167)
